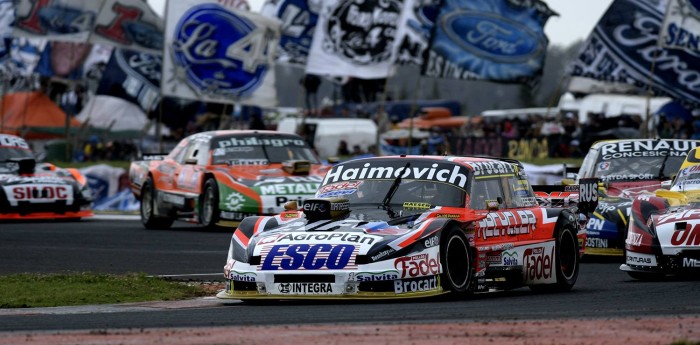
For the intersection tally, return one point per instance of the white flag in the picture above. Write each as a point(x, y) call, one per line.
point(219, 54)
point(681, 26)
point(357, 38)
point(56, 20)
point(129, 24)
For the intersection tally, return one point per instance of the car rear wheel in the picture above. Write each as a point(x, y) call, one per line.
point(456, 261)
point(209, 204)
point(566, 262)
point(148, 217)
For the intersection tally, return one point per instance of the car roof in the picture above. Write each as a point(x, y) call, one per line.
point(461, 160)
point(600, 143)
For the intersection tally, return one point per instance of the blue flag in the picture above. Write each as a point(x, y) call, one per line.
point(622, 49)
point(134, 76)
point(495, 40)
point(299, 19)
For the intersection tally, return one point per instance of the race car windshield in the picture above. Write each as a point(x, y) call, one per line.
point(410, 193)
point(688, 180)
point(9, 153)
point(637, 168)
point(260, 150)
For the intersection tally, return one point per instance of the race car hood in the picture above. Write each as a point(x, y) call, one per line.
point(678, 229)
point(369, 234)
point(39, 187)
point(630, 189)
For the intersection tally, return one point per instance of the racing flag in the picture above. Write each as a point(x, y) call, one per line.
point(218, 54)
point(623, 48)
point(420, 21)
point(495, 40)
point(129, 24)
point(681, 26)
point(358, 38)
point(59, 20)
point(7, 18)
point(133, 76)
point(299, 19)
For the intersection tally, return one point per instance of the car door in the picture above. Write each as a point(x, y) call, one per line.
point(188, 173)
point(506, 220)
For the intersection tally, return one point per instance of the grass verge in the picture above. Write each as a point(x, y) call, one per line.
point(28, 290)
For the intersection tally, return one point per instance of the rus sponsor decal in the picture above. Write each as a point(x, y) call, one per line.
point(309, 257)
point(538, 263)
point(415, 285)
point(417, 265)
point(634, 239)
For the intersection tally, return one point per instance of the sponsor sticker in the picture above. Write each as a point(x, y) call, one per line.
point(305, 288)
point(415, 285)
point(417, 265)
point(640, 259)
point(309, 257)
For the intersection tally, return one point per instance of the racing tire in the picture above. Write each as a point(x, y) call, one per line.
point(209, 204)
point(147, 209)
point(456, 262)
point(566, 263)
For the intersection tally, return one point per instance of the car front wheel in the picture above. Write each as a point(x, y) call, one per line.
point(456, 261)
point(209, 204)
point(148, 217)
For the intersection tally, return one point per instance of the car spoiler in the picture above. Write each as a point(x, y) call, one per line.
point(583, 195)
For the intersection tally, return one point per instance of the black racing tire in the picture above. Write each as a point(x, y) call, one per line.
point(209, 204)
point(456, 261)
point(147, 209)
point(566, 263)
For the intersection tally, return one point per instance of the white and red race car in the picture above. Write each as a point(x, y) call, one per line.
point(31, 190)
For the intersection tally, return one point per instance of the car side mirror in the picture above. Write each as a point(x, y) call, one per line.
point(493, 205)
point(666, 184)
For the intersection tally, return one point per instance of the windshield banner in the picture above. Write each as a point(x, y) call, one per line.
point(428, 170)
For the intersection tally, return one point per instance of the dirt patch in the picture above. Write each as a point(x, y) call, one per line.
point(658, 330)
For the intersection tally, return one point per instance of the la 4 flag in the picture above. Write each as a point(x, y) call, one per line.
point(216, 53)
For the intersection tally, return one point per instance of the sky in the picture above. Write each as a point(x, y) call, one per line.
point(575, 21)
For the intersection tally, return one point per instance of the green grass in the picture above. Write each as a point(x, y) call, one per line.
point(78, 165)
point(52, 290)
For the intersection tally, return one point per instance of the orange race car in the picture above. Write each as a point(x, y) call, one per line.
point(409, 226)
point(221, 177)
point(38, 191)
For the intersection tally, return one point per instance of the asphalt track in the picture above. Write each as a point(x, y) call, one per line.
point(122, 245)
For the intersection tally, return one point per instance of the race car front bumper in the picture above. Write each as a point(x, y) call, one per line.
point(328, 284)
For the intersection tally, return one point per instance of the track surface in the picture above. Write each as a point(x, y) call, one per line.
point(112, 246)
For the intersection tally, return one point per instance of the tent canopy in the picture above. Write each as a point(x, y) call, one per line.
point(33, 115)
point(117, 116)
